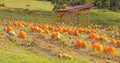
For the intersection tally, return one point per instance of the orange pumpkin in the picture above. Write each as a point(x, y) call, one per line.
point(65, 29)
point(78, 43)
point(91, 35)
point(80, 30)
point(99, 48)
point(109, 50)
point(9, 29)
point(46, 32)
point(113, 42)
point(84, 44)
point(15, 24)
point(71, 31)
point(118, 43)
point(21, 25)
point(94, 45)
point(30, 23)
point(77, 33)
point(93, 31)
point(54, 35)
point(51, 28)
point(96, 37)
point(22, 35)
point(32, 28)
point(105, 39)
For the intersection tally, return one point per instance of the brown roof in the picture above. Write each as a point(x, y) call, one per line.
point(78, 7)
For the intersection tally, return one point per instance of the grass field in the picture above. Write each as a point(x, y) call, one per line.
point(32, 4)
point(12, 53)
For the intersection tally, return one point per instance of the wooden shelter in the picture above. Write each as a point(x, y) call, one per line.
point(77, 10)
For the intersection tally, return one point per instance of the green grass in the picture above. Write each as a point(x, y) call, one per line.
point(97, 16)
point(33, 4)
point(24, 17)
point(11, 53)
point(105, 18)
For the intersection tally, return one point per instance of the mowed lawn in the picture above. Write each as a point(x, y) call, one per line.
point(28, 4)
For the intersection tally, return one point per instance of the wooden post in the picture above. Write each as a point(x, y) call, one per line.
point(60, 16)
point(69, 18)
point(78, 18)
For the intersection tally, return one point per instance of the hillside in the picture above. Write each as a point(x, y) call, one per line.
point(39, 23)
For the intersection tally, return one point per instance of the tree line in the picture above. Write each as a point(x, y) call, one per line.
point(113, 5)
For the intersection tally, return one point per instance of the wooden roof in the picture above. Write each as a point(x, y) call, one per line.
point(78, 7)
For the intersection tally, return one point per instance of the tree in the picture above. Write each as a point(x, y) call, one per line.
point(115, 5)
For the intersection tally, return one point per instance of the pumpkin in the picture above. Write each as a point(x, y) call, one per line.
point(32, 28)
point(93, 31)
point(96, 37)
point(21, 25)
point(65, 29)
point(9, 29)
point(22, 35)
point(77, 33)
point(91, 35)
point(30, 23)
point(106, 49)
point(113, 42)
point(78, 43)
point(105, 39)
point(84, 44)
point(118, 43)
point(46, 26)
point(51, 28)
point(15, 24)
point(94, 45)
point(80, 30)
point(46, 32)
point(71, 31)
point(54, 35)
point(112, 50)
point(99, 48)
point(109, 50)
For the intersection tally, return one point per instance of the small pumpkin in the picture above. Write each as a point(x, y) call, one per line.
point(118, 43)
point(94, 45)
point(84, 45)
point(113, 42)
point(32, 28)
point(77, 33)
point(54, 35)
point(71, 31)
point(78, 43)
point(105, 39)
point(109, 50)
point(22, 35)
point(46, 32)
point(9, 29)
point(99, 48)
